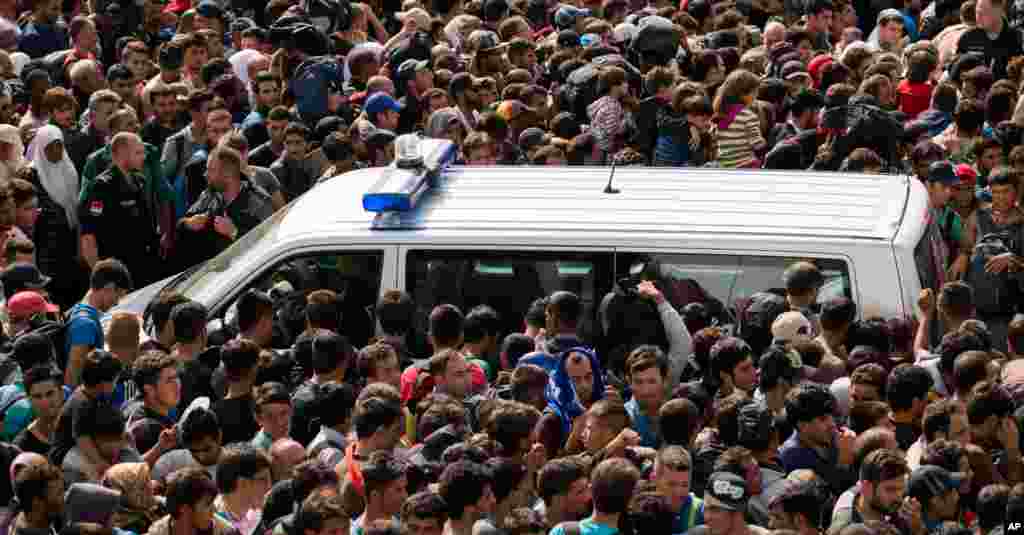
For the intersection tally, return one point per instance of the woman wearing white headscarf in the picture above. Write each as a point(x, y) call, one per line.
point(12, 152)
point(56, 230)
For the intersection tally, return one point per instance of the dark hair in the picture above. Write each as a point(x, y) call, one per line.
point(199, 424)
point(239, 461)
point(119, 71)
point(189, 321)
point(147, 369)
point(110, 271)
point(239, 356)
point(991, 506)
point(613, 482)
point(33, 482)
point(446, 324)
point(728, 353)
point(807, 498)
point(507, 474)
point(380, 470)
point(514, 346)
point(394, 311)
point(534, 316)
point(299, 129)
point(271, 393)
point(944, 453)
point(99, 419)
point(567, 305)
point(330, 352)
point(872, 332)
point(100, 367)
point(509, 424)
point(988, 399)
point(937, 416)
point(159, 311)
point(807, 402)
point(482, 321)
point(369, 357)
point(557, 476)
point(969, 369)
point(906, 384)
point(42, 374)
point(252, 306)
point(776, 366)
point(680, 419)
point(870, 374)
point(883, 465)
point(374, 414)
point(425, 505)
point(322, 310)
point(953, 345)
point(309, 475)
point(462, 483)
point(335, 403)
point(865, 414)
point(316, 510)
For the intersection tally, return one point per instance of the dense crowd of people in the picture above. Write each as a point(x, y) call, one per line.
point(140, 139)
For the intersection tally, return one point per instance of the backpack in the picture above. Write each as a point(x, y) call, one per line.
point(311, 84)
point(994, 293)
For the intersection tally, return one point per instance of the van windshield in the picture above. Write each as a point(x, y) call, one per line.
point(195, 281)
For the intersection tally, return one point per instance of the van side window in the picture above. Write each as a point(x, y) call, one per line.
point(507, 281)
point(724, 282)
point(354, 276)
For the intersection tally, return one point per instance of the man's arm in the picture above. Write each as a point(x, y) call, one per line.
point(90, 252)
point(75, 359)
point(968, 239)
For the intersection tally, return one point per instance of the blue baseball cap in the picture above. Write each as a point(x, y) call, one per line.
point(566, 15)
point(380, 102)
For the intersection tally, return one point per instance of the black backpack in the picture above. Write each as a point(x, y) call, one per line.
point(994, 293)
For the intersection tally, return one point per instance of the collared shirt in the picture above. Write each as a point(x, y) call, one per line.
point(642, 425)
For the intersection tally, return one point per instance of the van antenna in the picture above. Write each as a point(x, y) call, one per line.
point(608, 188)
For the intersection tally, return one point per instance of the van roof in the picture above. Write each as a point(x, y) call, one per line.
point(671, 200)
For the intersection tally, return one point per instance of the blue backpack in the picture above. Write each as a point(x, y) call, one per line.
point(312, 82)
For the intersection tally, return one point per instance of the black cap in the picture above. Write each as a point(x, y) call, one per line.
point(568, 39)
point(23, 276)
point(943, 173)
point(32, 349)
point(929, 481)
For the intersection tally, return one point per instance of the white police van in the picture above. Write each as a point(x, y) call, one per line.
point(507, 235)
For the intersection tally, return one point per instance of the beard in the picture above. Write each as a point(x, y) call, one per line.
point(877, 505)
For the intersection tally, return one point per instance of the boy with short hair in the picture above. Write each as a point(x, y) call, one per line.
point(613, 482)
point(293, 169)
point(672, 479)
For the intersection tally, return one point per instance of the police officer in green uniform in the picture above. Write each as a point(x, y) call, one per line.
point(228, 208)
point(116, 213)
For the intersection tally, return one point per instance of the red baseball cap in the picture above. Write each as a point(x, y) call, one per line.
point(966, 174)
point(28, 303)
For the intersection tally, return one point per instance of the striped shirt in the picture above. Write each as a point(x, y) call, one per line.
point(736, 141)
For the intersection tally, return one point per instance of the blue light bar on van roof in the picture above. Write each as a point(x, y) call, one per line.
point(402, 185)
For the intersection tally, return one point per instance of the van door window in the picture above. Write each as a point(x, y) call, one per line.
point(354, 276)
point(724, 282)
point(508, 281)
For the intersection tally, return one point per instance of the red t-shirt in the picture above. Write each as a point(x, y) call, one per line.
point(914, 98)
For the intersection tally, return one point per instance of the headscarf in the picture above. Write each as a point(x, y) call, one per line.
point(561, 393)
point(60, 180)
point(439, 121)
point(11, 134)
